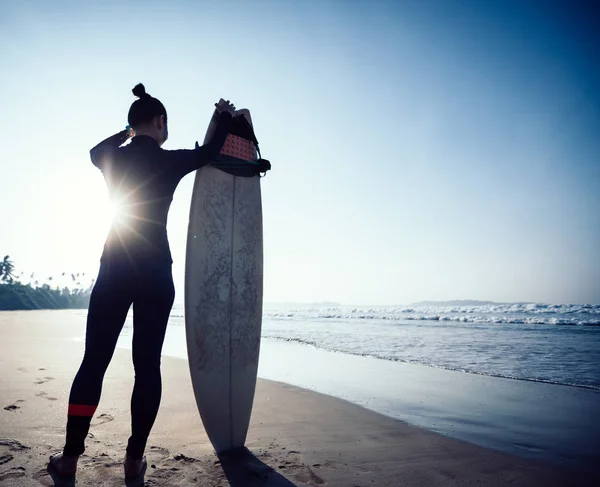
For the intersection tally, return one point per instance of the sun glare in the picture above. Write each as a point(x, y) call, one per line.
point(116, 213)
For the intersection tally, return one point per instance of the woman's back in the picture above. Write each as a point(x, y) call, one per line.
point(141, 183)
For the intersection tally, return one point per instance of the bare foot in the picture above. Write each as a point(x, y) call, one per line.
point(134, 467)
point(63, 465)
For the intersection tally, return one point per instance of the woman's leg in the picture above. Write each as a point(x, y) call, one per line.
point(151, 308)
point(109, 303)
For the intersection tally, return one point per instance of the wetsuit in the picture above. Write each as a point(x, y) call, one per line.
point(135, 269)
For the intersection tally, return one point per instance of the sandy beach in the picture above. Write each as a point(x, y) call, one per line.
point(296, 437)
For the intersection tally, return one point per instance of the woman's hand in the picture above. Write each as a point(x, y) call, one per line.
point(224, 106)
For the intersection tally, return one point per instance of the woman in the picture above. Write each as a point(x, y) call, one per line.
point(135, 269)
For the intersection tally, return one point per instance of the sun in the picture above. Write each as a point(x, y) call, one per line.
point(116, 213)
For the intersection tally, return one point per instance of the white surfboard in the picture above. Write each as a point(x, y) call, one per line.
point(223, 299)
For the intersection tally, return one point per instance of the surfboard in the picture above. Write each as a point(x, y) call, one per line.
point(223, 292)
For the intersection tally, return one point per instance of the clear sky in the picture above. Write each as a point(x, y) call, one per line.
point(420, 149)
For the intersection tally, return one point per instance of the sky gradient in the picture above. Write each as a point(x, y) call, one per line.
point(420, 149)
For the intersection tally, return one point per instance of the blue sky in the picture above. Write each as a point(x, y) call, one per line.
point(420, 149)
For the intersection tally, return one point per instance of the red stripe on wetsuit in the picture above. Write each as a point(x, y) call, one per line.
point(81, 410)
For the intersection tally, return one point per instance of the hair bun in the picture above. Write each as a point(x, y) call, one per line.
point(140, 91)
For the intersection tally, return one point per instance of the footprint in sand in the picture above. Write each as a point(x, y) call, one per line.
point(162, 452)
point(182, 458)
point(22, 369)
point(8, 445)
point(45, 396)
point(44, 380)
point(168, 469)
point(14, 407)
point(157, 455)
point(12, 473)
point(102, 419)
point(93, 438)
point(103, 460)
point(300, 471)
point(5, 459)
point(13, 445)
point(292, 464)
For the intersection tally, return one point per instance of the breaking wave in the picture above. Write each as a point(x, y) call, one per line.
point(529, 314)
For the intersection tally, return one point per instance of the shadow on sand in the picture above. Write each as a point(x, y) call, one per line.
point(243, 469)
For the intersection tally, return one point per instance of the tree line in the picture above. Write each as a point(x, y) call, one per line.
point(17, 295)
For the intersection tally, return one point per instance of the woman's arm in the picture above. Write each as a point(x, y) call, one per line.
point(185, 161)
point(104, 151)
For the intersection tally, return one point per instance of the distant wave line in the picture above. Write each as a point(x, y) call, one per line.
point(438, 317)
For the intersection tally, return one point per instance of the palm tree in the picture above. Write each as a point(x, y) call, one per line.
point(7, 268)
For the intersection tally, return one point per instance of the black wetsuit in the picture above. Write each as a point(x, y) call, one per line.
point(135, 269)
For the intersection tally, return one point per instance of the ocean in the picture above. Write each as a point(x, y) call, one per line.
point(538, 342)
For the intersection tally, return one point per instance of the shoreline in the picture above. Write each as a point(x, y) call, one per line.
point(296, 437)
point(495, 376)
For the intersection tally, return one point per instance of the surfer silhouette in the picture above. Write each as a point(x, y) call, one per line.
point(135, 269)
